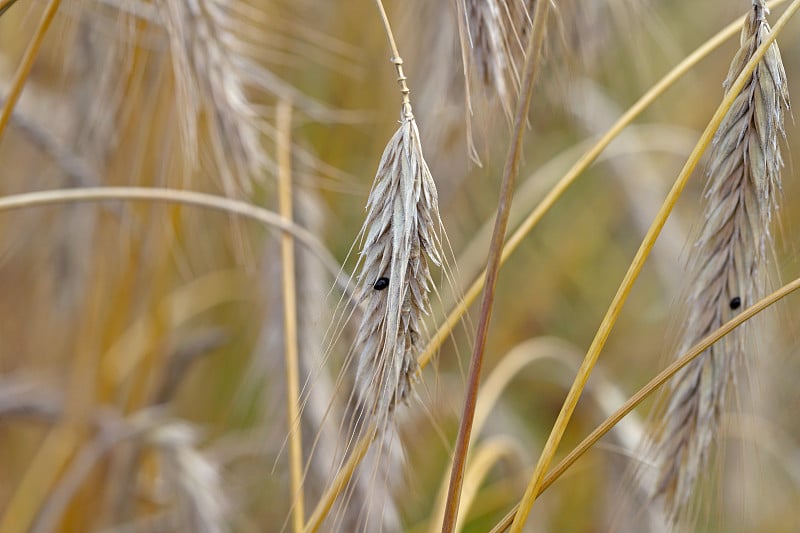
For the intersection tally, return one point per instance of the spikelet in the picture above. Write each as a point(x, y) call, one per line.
point(492, 34)
point(192, 479)
point(728, 263)
point(400, 236)
point(495, 47)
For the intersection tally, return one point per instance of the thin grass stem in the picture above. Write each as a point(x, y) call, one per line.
point(340, 481)
point(397, 61)
point(284, 150)
point(24, 68)
point(532, 62)
point(48, 463)
point(5, 5)
point(615, 308)
point(196, 199)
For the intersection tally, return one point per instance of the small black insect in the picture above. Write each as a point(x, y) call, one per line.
point(381, 284)
point(736, 302)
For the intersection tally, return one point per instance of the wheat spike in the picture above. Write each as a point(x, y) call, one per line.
point(400, 236)
point(492, 47)
point(215, 46)
point(369, 506)
point(192, 478)
point(213, 73)
point(728, 263)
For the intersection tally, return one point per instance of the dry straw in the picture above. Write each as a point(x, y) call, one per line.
point(727, 263)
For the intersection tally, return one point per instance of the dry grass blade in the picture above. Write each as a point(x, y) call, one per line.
point(156, 194)
point(5, 5)
point(54, 453)
point(484, 458)
point(728, 263)
point(533, 51)
point(284, 149)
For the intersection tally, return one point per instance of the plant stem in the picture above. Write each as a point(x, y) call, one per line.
point(24, 69)
point(48, 463)
point(5, 5)
point(196, 199)
point(615, 308)
point(532, 60)
point(340, 481)
point(397, 61)
point(284, 150)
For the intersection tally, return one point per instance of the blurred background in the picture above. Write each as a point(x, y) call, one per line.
point(141, 345)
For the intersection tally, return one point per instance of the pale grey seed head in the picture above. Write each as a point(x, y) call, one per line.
point(727, 265)
point(401, 239)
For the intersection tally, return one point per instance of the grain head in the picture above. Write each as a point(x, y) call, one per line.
point(400, 237)
point(728, 266)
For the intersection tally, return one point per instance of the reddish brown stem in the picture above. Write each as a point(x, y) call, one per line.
point(493, 264)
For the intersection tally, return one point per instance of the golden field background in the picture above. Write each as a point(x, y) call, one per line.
point(141, 353)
